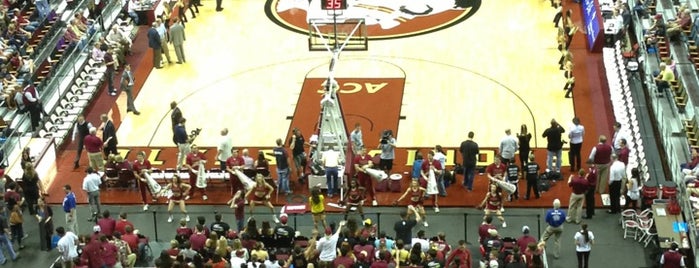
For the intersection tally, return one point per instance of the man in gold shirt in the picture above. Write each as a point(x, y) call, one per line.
point(663, 79)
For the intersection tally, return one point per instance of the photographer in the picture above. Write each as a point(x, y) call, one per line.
point(296, 145)
point(555, 144)
point(387, 144)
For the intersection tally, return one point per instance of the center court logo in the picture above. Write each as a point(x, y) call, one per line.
point(384, 19)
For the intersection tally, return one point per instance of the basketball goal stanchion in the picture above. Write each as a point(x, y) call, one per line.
point(334, 33)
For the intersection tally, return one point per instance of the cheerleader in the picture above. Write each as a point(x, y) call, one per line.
point(261, 194)
point(233, 163)
point(354, 198)
point(431, 168)
point(195, 159)
point(317, 201)
point(417, 195)
point(179, 191)
point(492, 203)
point(361, 162)
point(141, 167)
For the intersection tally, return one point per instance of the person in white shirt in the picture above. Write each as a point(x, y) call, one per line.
point(577, 131)
point(224, 149)
point(249, 161)
point(356, 138)
point(508, 147)
point(67, 246)
point(619, 134)
point(424, 243)
point(270, 264)
point(691, 174)
point(617, 173)
point(164, 39)
point(583, 245)
point(331, 162)
point(442, 158)
point(91, 185)
point(327, 246)
point(238, 258)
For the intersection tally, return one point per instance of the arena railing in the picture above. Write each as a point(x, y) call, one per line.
point(17, 135)
point(464, 225)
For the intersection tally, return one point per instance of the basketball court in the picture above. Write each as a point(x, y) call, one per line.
point(430, 70)
point(485, 67)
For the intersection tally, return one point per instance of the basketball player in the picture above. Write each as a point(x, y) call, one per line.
point(417, 195)
point(195, 160)
point(141, 168)
point(261, 194)
point(492, 203)
point(431, 168)
point(232, 163)
point(179, 191)
point(354, 198)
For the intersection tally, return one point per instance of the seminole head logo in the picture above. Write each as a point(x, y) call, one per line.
point(385, 19)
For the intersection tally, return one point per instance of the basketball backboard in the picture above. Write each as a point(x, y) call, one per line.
point(346, 34)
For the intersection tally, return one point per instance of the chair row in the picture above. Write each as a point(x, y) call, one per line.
point(639, 225)
point(76, 98)
point(623, 106)
point(124, 178)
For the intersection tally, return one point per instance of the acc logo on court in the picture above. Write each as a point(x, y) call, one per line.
point(384, 19)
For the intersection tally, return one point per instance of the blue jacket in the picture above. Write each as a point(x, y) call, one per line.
point(153, 38)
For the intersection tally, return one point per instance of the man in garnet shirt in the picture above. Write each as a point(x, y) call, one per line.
point(93, 146)
point(578, 184)
point(601, 156)
point(12, 197)
point(232, 163)
point(92, 251)
point(462, 253)
point(121, 224)
point(141, 169)
point(525, 239)
point(483, 229)
point(107, 224)
point(131, 239)
point(110, 252)
point(361, 162)
point(110, 63)
point(624, 152)
point(238, 205)
point(183, 231)
point(590, 194)
point(198, 239)
point(192, 163)
point(496, 170)
point(344, 259)
point(436, 167)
